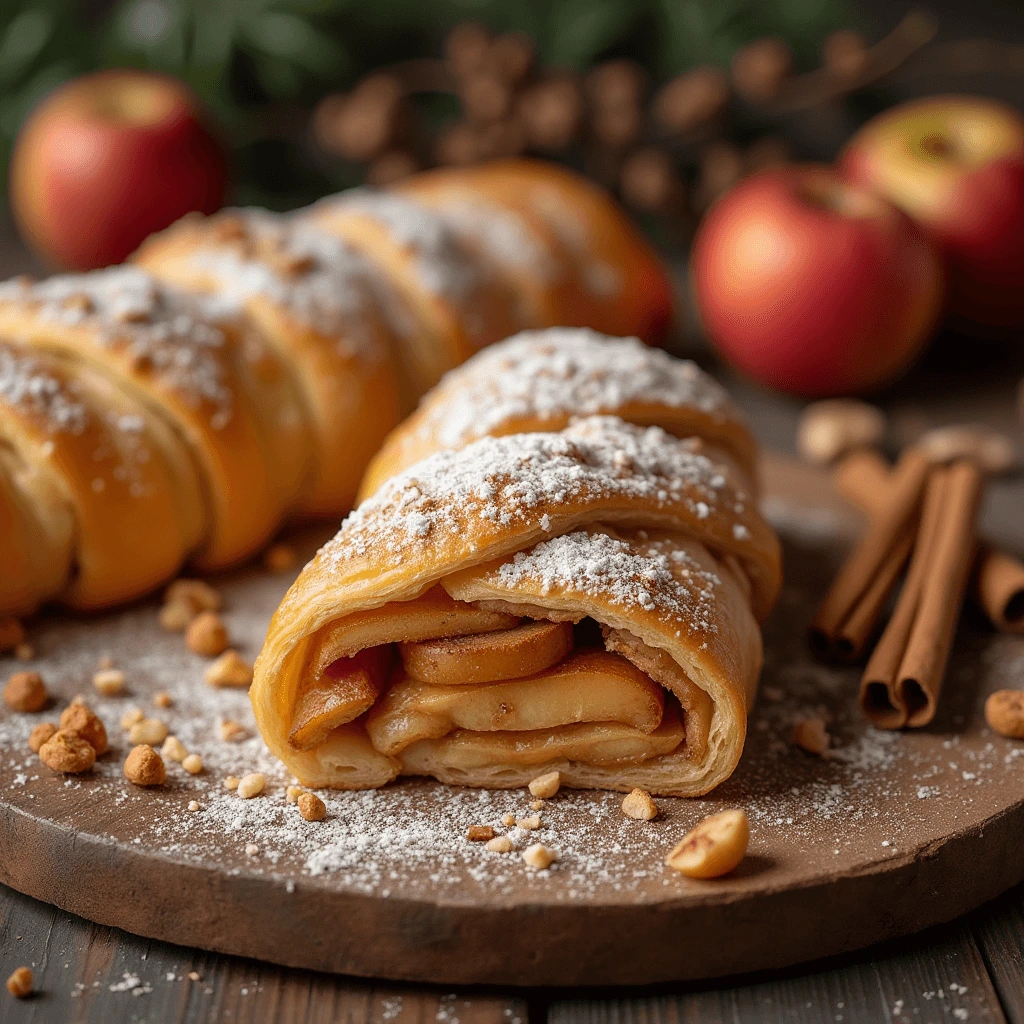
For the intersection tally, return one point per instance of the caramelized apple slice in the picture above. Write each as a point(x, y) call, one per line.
point(593, 743)
point(433, 614)
point(589, 686)
point(347, 688)
point(506, 654)
point(662, 668)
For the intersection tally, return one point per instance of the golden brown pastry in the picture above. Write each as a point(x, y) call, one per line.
point(583, 600)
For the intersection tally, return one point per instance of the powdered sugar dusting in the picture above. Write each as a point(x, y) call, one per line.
point(26, 385)
point(562, 372)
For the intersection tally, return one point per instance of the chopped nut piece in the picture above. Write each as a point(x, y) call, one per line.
point(19, 984)
point(231, 782)
point(79, 717)
point(173, 749)
point(638, 804)
point(24, 652)
point(539, 856)
point(130, 717)
point(149, 730)
point(279, 558)
point(546, 786)
point(40, 734)
point(230, 669)
point(499, 844)
point(292, 793)
point(144, 766)
point(206, 635)
point(12, 633)
point(25, 692)
point(194, 976)
point(833, 428)
point(536, 805)
point(197, 593)
point(480, 833)
point(162, 699)
point(66, 751)
point(175, 617)
point(1004, 712)
point(508, 820)
point(232, 732)
point(109, 681)
point(193, 764)
point(193, 805)
point(251, 785)
point(530, 823)
point(311, 807)
point(252, 850)
point(811, 735)
point(714, 848)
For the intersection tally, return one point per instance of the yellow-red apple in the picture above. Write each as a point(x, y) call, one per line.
point(956, 165)
point(813, 285)
point(106, 160)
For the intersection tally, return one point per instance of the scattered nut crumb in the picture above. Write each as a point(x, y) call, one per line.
point(811, 735)
point(193, 764)
point(206, 635)
point(66, 751)
point(193, 805)
point(480, 833)
point(499, 844)
point(19, 984)
point(232, 732)
point(251, 785)
point(536, 805)
point(194, 976)
point(162, 699)
point(196, 593)
point(546, 786)
point(26, 692)
point(292, 793)
point(24, 652)
point(311, 807)
point(530, 823)
point(1004, 712)
point(638, 804)
point(252, 850)
point(12, 634)
point(830, 429)
point(173, 749)
point(149, 730)
point(144, 766)
point(714, 848)
point(109, 682)
point(279, 558)
point(508, 820)
point(175, 617)
point(539, 856)
point(130, 717)
point(40, 734)
point(79, 717)
point(230, 669)
point(231, 782)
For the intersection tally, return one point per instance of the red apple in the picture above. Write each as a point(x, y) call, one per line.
point(956, 165)
point(815, 286)
point(108, 159)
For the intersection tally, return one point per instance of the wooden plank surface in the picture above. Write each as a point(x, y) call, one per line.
point(86, 972)
point(1000, 933)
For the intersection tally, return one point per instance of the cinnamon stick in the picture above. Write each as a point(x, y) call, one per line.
point(997, 582)
point(869, 574)
point(881, 699)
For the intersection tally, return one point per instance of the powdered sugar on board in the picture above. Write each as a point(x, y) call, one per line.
point(562, 372)
point(879, 797)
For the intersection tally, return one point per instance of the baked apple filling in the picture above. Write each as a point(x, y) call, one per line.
point(439, 678)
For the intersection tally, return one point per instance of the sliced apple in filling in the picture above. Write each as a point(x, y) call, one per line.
point(504, 654)
point(593, 743)
point(347, 688)
point(588, 686)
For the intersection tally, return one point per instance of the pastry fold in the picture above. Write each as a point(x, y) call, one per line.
point(583, 599)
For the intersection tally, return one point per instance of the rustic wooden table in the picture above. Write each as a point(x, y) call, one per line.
point(971, 970)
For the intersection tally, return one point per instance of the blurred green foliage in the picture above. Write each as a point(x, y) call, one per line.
point(259, 65)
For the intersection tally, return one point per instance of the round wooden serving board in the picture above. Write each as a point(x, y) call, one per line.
point(893, 833)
